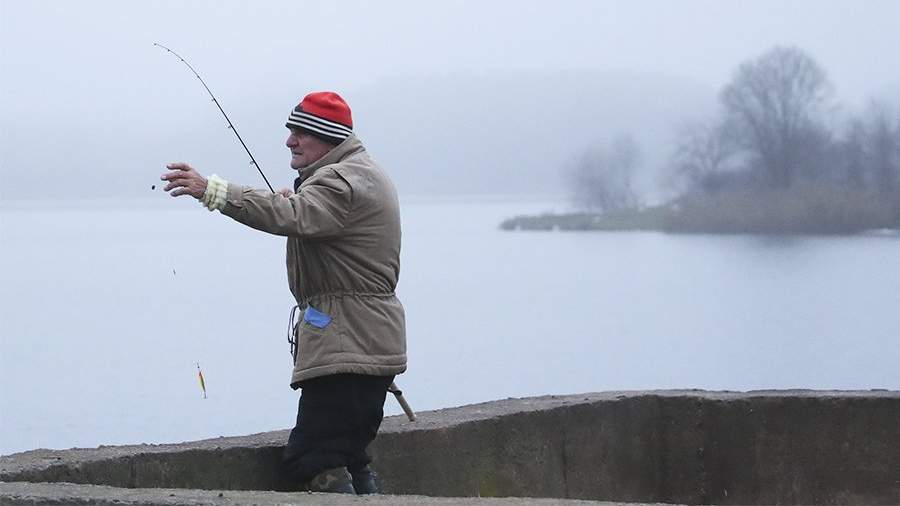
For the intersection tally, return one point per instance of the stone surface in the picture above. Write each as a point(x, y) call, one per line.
point(58, 494)
point(692, 447)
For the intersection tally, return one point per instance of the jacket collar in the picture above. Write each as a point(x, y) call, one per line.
point(351, 145)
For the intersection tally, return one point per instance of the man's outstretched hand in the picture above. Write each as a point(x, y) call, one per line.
point(184, 180)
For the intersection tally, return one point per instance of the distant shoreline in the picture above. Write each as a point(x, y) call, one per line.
point(819, 212)
point(584, 222)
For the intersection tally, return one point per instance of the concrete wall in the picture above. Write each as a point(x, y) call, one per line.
point(692, 447)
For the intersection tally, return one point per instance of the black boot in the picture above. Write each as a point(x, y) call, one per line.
point(335, 480)
point(364, 481)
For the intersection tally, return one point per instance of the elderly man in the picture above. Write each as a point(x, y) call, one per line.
point(342, 223)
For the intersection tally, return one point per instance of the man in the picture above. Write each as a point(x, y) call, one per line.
point(342, 224)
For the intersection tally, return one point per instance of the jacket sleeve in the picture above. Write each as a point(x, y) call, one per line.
point(319, 209)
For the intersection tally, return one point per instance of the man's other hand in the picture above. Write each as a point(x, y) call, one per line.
point(287, 192)
point(184, 180)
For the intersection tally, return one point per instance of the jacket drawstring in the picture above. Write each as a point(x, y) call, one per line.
point(292, 331)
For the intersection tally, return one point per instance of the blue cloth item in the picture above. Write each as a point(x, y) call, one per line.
point(316, 318)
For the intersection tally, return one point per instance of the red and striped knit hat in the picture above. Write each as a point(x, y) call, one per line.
point(323, 114)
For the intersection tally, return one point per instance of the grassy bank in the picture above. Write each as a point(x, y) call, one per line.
point(644, 219)
point(811, 210)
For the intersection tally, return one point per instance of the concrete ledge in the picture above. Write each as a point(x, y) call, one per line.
point(692, 447)
point(57, 494)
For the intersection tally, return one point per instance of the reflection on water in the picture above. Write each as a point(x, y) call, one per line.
point(100, 339)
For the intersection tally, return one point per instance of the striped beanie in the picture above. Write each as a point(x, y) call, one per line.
point(323, 114)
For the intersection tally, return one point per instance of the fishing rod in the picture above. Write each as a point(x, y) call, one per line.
point(230, 125)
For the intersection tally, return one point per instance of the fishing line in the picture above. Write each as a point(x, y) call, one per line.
point(230, 125)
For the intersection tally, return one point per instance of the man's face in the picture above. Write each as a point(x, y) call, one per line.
point(305, 148)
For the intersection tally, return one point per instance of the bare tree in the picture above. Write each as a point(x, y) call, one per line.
point(870, 150)
point(774, 103)
point(601, 178)
point(884, 148)
point(854, 154)
point(703, 151)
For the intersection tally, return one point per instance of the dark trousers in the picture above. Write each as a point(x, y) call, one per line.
point(338, 416)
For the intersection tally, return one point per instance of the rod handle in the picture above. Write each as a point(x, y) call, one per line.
point(403, 404)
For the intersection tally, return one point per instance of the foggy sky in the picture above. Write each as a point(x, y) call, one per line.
point(453, 97)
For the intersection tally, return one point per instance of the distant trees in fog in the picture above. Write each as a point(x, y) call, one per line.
point(870, 150)
point(773, 109)
point(704, 155)
point(776, 132)
point(601, 179)
point(775, 159)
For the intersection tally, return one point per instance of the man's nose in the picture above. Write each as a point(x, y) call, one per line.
point(291, 141)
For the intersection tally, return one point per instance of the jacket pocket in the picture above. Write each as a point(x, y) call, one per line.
point(316, 318)
point(319, 337)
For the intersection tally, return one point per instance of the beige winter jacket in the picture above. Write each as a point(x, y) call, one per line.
point(343, 260)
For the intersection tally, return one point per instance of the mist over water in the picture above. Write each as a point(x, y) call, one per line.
point(454, 97)
point(100, 337)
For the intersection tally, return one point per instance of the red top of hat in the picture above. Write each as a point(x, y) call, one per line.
point(327, 105)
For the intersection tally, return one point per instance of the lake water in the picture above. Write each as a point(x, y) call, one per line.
point(106, 310)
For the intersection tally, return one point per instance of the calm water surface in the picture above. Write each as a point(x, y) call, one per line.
point(106, 310)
